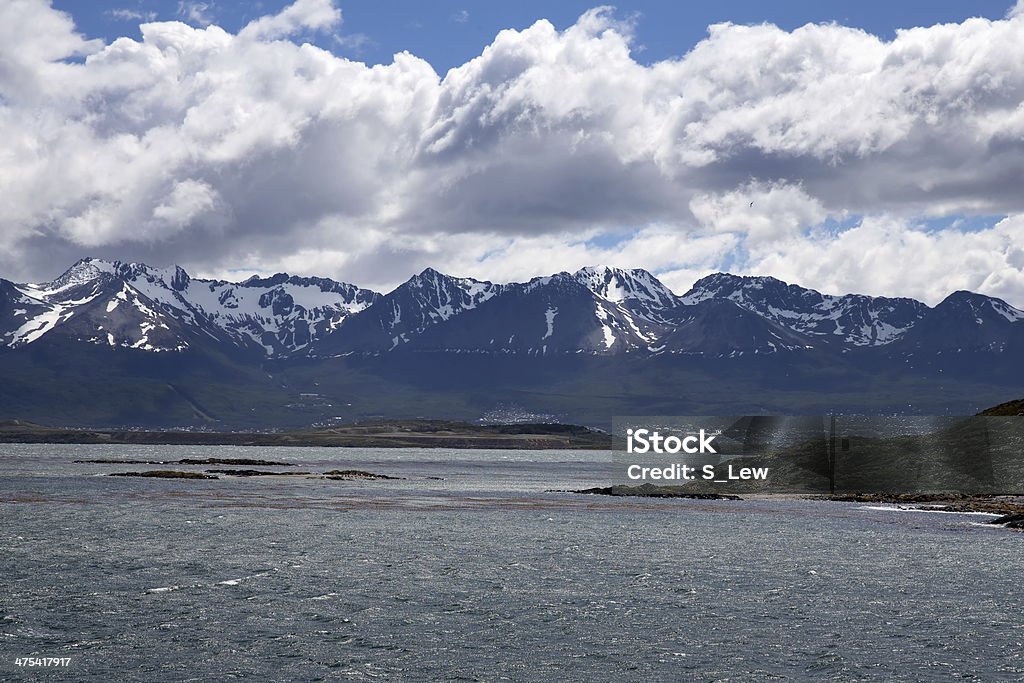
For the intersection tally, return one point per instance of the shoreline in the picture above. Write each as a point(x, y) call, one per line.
point(996, 504)
point(388, 434)
point(1007, 510)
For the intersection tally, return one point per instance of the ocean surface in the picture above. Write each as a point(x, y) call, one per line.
point(470, 569)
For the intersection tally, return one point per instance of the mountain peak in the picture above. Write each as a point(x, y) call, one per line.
point(429, 273)
point(599, 270)
point(979, 305)
point(612, 271)
point(437, 281)
point(82, 272)
point(963, 296)
point(89, 269)
point(969, 301)
point(619, 284)
point(722, 280)
point(272, 281)
point(181, 279)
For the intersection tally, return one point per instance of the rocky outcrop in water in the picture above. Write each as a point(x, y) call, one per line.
point(353, 475)
point(164, 474)
point(257, 473)
point(1012, 521)
point(652, 491)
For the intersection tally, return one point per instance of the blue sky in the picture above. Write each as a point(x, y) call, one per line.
point(812, 141)
point(449, 33)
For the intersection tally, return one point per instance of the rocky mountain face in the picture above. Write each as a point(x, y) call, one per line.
point(967, 322)
point(851, 319)
point(596, 310)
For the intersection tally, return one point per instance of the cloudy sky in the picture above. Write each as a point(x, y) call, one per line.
point(874, 149)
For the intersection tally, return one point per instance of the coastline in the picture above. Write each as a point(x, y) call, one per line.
point(1002, 505)
point(383, 434)
point(1007, 509)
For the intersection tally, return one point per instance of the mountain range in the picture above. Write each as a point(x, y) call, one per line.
point(129, 344)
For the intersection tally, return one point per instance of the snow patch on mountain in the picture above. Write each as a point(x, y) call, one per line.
point(549, 318)
point(36, 327)
point(1007, 311)
point(609, 336)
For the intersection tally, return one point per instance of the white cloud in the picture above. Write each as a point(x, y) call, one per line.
point(763, 212)
point(313, 15)
point(882, 256)
point(199, 13)
point(187, 200)
point(660, 248)
point(221, 150)
point(354, 42)
point(129, 14)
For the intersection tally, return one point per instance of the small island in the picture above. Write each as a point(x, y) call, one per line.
point(164, 474)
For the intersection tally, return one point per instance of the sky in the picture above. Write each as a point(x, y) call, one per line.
point(849, 147)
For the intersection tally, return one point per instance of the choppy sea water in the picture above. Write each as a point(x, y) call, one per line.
point(467, 569)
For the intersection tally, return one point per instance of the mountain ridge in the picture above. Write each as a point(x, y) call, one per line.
point(595, 310)
point(111, 344)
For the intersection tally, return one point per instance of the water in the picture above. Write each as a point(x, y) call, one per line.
point(481, 575)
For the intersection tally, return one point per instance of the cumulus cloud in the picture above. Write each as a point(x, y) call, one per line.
point(550, 150)
point(881, 256)
point(775, 211)
point(200, 13)
point(315, 15)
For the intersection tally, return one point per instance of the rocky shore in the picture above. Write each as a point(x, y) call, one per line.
point(1009, 507)
point(948, 502)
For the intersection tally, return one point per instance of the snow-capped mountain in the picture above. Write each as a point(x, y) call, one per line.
point(635, 308)
point(851, 319)
point(965, 321)
point(162, 309)
point(93, 302)
point(637, 290)
point(554, 314)
point(128, 344)
point(596, 310)
point(283, 314)
point(417, 305)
